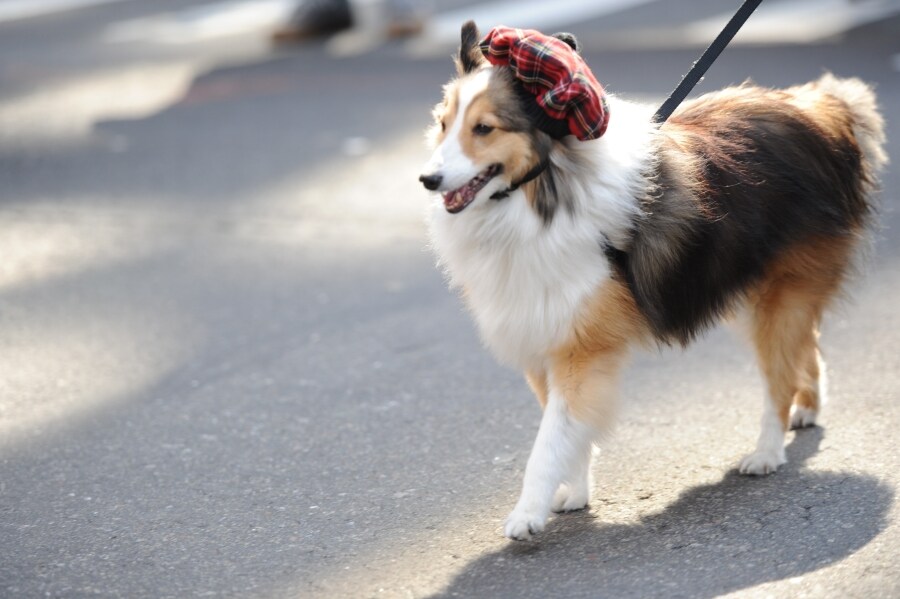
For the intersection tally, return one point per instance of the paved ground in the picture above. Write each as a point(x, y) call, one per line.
point(229, 368)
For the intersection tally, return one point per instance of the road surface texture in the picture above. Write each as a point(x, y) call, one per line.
point(228, 366)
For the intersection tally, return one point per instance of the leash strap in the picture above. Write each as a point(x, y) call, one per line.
point(702, 65)
point(529, 176)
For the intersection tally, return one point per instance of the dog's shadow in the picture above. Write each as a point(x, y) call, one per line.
point(714, 539)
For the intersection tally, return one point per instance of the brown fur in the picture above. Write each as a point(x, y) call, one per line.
point(742, 175)
point(757, 197)
point(537, 380)
point(501, 146)
point(586, 369)
point(786, 308)
point(813, 131)
point(716, 164)
point(786, 311)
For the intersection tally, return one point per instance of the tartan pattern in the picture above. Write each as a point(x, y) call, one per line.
point(563, 84)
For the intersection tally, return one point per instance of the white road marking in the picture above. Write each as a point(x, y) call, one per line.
point(801, 21)
point(11, 10)
point(204, 22)
point(786, 22)
point(443, 29)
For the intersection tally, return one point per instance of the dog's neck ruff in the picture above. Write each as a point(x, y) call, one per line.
point(527, 279)
point(535, 172)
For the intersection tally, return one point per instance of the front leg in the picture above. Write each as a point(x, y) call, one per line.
point(575, 491)
point(581, 388)
point(563, 445)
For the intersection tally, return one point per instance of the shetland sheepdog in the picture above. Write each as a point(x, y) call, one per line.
point(746, 200)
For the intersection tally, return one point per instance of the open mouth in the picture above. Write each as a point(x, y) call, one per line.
point(457, 199)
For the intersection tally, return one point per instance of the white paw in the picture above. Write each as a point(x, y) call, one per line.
point(803, 417)
point(522, 523)
point(569, 498)
point(762, 462)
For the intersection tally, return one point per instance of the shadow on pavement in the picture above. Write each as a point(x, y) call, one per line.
point(715, 539)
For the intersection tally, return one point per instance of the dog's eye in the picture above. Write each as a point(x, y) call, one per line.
point(443, 127)
point(482, 129)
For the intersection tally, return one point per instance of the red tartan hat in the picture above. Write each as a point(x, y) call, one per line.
point(555, 74)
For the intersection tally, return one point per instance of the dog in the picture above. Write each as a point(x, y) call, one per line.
point(746, 201)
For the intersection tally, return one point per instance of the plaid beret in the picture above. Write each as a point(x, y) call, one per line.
point(558, 78)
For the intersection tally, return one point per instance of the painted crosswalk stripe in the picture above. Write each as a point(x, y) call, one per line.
point(11, 10)
point(785, 22)
point(801, 21)
point(204, 22)
point(532, 14)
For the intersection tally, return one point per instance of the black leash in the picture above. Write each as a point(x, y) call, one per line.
point(700, 67)
point(531, 175)
point(688, 82)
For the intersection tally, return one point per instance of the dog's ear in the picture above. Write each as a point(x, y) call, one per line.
point(470, 57)
point(569, 39)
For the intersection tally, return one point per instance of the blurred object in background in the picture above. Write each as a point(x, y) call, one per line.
point(314, 19)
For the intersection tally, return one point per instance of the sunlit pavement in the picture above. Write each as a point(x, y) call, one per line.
point(229, 367)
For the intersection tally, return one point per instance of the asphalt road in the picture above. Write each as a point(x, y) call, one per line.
point(228, 366)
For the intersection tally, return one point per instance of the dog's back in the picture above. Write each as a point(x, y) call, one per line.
point(770, 172)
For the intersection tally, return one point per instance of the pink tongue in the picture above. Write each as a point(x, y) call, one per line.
point(458, 196)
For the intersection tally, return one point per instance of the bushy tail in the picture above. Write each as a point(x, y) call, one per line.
point(868, 124)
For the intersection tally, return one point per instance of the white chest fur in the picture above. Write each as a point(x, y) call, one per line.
point(523, 281)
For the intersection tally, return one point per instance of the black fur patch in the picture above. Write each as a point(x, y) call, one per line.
point(768, 176)
point(508, 102)
point(469, 57)
point(570, 39)
point(553, 189)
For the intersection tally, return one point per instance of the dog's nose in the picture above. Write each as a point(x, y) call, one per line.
point(431, 182)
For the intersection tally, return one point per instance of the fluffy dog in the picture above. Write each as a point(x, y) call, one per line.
point(569, 253)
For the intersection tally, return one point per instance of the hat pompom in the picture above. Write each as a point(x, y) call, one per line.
point(560, 82)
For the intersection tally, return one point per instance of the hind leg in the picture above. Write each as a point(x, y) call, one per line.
point(810, 391)
point(786, 310)
point(784, 323)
